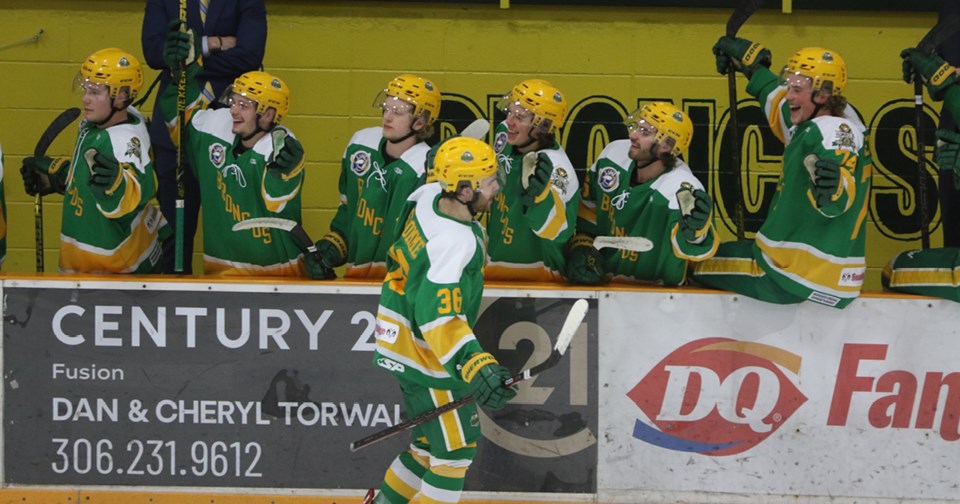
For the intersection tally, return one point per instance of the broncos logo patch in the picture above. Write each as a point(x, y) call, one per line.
point(218, 154)
point(134, 148)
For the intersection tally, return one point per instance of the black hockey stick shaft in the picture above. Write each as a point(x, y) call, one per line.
point(434, 413)
point(59, 124)
point(740, 15)
point(943, 30)
point(179, 241)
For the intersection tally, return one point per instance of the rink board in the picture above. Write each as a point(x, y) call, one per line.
point(127, 391)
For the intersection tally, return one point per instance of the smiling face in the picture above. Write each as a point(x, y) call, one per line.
point(519, 124)
point(801, 98)
point(644, 148)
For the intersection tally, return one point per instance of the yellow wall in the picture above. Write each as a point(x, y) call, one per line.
point(336, 55)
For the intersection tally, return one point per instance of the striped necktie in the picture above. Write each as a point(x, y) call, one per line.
point(207, 90)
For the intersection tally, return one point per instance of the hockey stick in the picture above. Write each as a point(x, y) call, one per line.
point(740, 15)
point(59, 124)
point(477, 129)
point(295, 229)
point(929, 43)
point(181, 124)
point(632, 243)
point(577, 312)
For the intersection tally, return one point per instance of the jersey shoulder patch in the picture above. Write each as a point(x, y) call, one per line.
point(217, 123)
point(669, 183)
point(130, 144)
point(838, 133)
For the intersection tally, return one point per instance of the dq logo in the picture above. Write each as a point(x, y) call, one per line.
point(717, 396)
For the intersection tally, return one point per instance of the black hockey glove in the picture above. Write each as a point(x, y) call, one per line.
point(825, 177)
point(583, 261)
point(287, 155)
point(745, 55)
point(180, 47)
point(696, 207)
point(937, 74)
point(105, 175)
point(44, 175)
point(535, 178)
point(485, 376)
point(946, 153)
point(316, 269)
point(332, 249)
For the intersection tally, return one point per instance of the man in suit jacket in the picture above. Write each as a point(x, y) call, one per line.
point(234, 38)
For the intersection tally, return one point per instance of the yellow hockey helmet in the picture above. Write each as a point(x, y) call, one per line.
point(265, 89)
point(824, 67)
point(463, 159)
point(419, 92)
point(547, 103)
point(114, 68)
point(672, 124)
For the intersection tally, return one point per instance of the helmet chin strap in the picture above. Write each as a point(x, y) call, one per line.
point(654, 157)
point(256, 130)
point(530, 139)
point(471, 203)
point(113, 111)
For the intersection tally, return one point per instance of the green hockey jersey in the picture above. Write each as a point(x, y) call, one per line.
point(527, 244)
point(815, 253)
point(612, 205)
point(235, 185)
point(119, 233)
point(431, 296)
point(373, 198)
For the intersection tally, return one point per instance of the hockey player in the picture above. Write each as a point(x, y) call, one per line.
point(535, 213)
point(932, 272)
point(811, 245)
point(109, 223)
point(381, 167)
point(247, 166)
point(639, 187)
point(428, 305)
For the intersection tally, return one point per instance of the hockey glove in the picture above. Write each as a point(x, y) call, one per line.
point(485, 377)
point(583, 261)
point(696, 207)
point(825, 177)
point(44, 175)
point(316, 269)
point(332, 249)
point(180, 47)
point(288, 155)
point(535, 179)
point(946, 153)
point(745, 55)
point(937, 74)
point(105, 176)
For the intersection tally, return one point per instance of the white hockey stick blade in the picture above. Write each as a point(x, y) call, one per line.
point(269, 222)
point(632, 243)
point(577, 312)
point(477, 129)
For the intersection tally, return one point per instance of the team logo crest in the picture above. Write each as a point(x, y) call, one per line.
point(466, 157)
point(557, 97)
point(360, 162)
point(134, 148)
point(500, 141)
point(844, 138)
point(275, 84)
point(124, 62)
point(428, 85)
point(608, 178)
point(218, 154)
point(827, 57)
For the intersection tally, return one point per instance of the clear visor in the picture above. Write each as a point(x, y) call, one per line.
point(641, 126)
point(84, 86)
point(794, 80)
point(388, 103)
point(229, 98)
